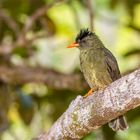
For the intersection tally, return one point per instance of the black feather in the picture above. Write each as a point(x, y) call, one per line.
point(83, 33)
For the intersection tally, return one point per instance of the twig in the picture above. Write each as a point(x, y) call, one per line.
point(87, 114)
point(91, 15)
point(37, 14)
point(9, 21)
point(75, 14)
point(22, 40)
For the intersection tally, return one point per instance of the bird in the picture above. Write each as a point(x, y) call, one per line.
point(99, 67)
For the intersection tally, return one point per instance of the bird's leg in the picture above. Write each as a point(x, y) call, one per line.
point(91, 91)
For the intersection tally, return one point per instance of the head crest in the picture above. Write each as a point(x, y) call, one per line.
point(83, 33)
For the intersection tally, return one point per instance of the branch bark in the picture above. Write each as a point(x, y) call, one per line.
point(87, 114)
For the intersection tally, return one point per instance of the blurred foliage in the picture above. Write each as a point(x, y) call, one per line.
point(34, 37)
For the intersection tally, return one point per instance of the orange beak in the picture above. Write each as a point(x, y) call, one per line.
point(73, 45)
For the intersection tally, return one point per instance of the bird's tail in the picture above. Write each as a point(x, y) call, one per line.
point(118, 124)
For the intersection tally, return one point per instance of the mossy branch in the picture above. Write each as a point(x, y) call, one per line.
point(87, 114)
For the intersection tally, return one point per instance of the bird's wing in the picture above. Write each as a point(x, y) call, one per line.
point(112, 65)
point(80, 67)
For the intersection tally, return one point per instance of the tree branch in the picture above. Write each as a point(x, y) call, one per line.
point(87, 114)
point(56, 80)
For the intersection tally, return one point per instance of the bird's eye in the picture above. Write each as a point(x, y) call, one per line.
point(83, 41)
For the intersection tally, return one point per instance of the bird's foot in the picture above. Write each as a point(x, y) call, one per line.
point(91, 91)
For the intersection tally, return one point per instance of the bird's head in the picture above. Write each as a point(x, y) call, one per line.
point(84, 40)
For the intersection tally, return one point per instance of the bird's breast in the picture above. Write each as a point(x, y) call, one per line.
point(94, 69)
